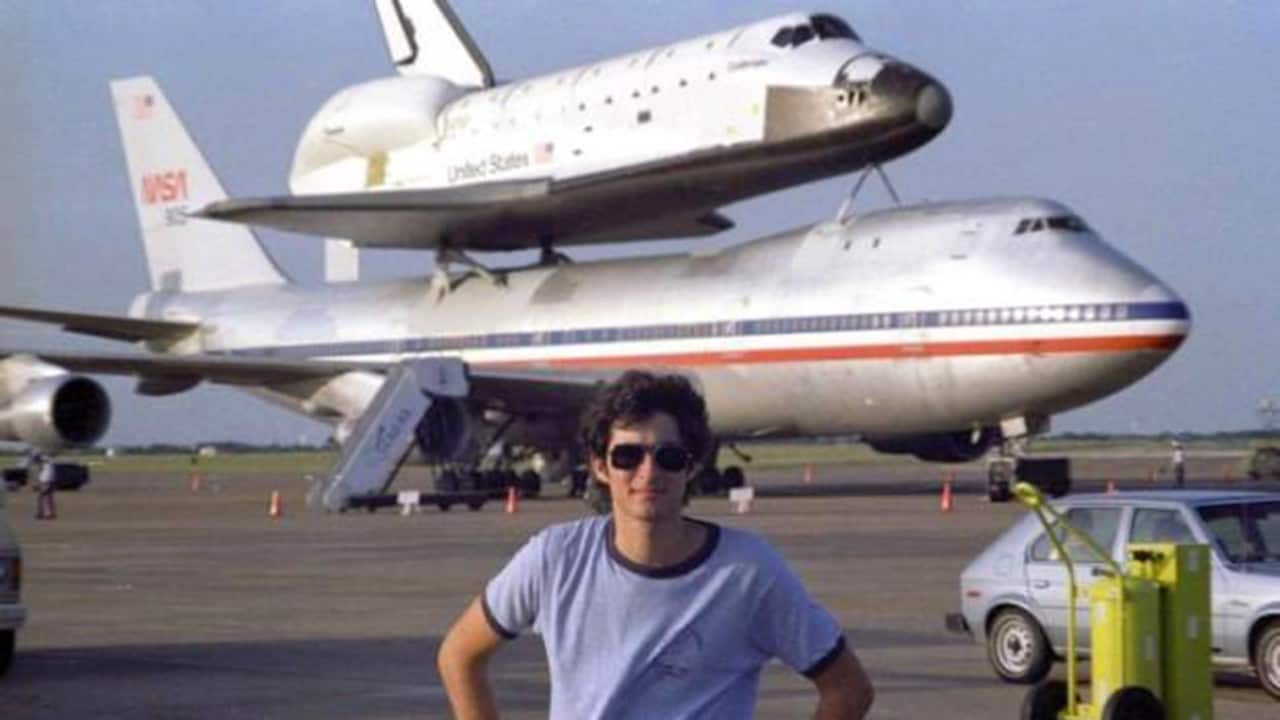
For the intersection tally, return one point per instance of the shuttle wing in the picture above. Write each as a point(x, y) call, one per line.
point(106, 326)
point(504, 215)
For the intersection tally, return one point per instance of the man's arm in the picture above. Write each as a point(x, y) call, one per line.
point(844, 690)
point(463, 662)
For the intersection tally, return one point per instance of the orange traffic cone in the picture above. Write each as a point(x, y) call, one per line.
point(1226, 473)
point(1111, 487)
point(276, 508)
point(946, 494)
point(512, 499)
point(808, 474)
point(195, 482)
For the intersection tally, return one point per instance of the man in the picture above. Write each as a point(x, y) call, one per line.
point(646, 613)
point(1179, 465)
point(45, 508)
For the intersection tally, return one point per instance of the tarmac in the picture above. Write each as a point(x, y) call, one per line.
point(149, 600)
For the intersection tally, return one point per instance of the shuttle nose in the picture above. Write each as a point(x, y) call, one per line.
point(911, 91)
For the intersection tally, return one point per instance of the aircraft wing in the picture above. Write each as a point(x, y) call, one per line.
point(503, 215)
point(528, 391)
point(195, 368)
point(106, 326)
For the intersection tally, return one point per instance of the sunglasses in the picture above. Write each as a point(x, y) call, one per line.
point(670, 458)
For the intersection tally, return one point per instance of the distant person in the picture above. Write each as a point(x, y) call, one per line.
point(45, 507)
point(646, 613)
point(1179, 462)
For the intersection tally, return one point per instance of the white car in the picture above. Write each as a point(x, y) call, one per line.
point(1013, 595)
point(12, 613)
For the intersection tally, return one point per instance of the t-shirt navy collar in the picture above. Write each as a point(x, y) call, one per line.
point(668, 571)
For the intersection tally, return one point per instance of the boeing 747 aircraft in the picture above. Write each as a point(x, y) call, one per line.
point(640, 146)
point(938, 330)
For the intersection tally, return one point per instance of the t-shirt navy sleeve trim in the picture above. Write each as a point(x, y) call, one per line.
point(493, 621)
point(816, 669)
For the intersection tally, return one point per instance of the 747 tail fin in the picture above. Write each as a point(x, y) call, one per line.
point(169, 177)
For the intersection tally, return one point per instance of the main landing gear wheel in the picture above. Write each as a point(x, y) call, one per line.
point(1017, 648)
point(999, 481)
point(1133, 703)
point(1045, 701)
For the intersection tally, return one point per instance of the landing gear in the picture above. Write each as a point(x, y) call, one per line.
point(1009, 464)
point(493, 483)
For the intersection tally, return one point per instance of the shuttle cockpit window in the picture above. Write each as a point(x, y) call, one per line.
point(1069, 223)
point(830, 26)
point(821, 27)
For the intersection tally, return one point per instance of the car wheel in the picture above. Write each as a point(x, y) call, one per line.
point(8, 639)
point(1132, 703)
point(1266, 659)
point(1017, 647)
point(1045, 701)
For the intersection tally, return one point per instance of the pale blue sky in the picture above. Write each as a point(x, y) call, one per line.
point(1156, 121)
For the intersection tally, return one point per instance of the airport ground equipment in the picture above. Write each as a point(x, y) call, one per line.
point(1050, 474)
point(1264, 463)
point(384, 434)
point(1149, 622)
point(416, 499)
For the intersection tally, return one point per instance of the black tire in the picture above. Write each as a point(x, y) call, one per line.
point(732, 477)
point(530, 484)
point(447, 482)
point(475, 505)
point(1266, 659)
point(444, 506)
point(998, 492)
point(1045, 701)
point(1133, 703)
point(8, 641)
point(1017, 647)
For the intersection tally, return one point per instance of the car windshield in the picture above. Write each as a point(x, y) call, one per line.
point(1245, 532)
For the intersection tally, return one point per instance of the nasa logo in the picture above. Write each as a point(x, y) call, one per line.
point(164, 187)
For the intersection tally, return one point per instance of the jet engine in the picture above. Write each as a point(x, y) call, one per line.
point(448, 432)
point(960, 446)
point(46, 407)
point(344, 145)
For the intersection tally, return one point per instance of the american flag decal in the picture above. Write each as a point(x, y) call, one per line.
point(142, 106)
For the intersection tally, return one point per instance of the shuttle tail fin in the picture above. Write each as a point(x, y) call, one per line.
point(169, 176)
point(425, 37)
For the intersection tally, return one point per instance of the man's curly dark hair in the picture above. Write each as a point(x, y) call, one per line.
point(636, 397)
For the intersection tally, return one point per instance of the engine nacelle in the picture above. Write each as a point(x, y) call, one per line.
point(339, 148)
point(449, 432)
point(959, 446)
point(45, 407)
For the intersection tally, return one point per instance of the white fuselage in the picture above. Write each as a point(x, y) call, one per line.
point(927, 319)
point(699, 94)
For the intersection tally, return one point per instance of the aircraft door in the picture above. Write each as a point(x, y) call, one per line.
point(1047, 575)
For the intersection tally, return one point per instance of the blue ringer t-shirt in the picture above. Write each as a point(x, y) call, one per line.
point(685, 641)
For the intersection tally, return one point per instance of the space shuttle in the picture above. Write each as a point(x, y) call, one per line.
point(645, 145)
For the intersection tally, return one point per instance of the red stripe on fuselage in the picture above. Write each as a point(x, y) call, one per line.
point(1039, 346)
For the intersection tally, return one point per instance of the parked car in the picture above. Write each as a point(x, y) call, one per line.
point(12, 613)
point(1013, 595)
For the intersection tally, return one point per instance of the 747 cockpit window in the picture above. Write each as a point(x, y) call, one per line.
point(1069, 223)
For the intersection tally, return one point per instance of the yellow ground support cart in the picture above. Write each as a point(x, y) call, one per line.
point(1149, 632)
